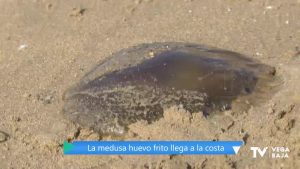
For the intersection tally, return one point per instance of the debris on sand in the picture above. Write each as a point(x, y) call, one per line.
point(3, 136)
point(77, 12)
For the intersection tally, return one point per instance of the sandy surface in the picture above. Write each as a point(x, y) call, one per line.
point(47, 46)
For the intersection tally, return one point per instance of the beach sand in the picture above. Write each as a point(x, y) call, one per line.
point(46, 46)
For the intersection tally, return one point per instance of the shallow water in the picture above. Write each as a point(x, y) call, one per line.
point(140, 82)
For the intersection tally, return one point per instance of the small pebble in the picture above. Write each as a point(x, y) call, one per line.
point(3, 136)
point(76, 12)
point(49, 6)
point(22, 47)
point(245, 137)
point(46, 98)
point(269, 7)
point(151, 54)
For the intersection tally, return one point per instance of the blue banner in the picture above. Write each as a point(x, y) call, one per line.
point(152, 147)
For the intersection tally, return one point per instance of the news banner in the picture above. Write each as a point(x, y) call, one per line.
point(152, 147)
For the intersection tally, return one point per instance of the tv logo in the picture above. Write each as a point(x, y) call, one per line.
point(273, 152)
point(261, 152)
